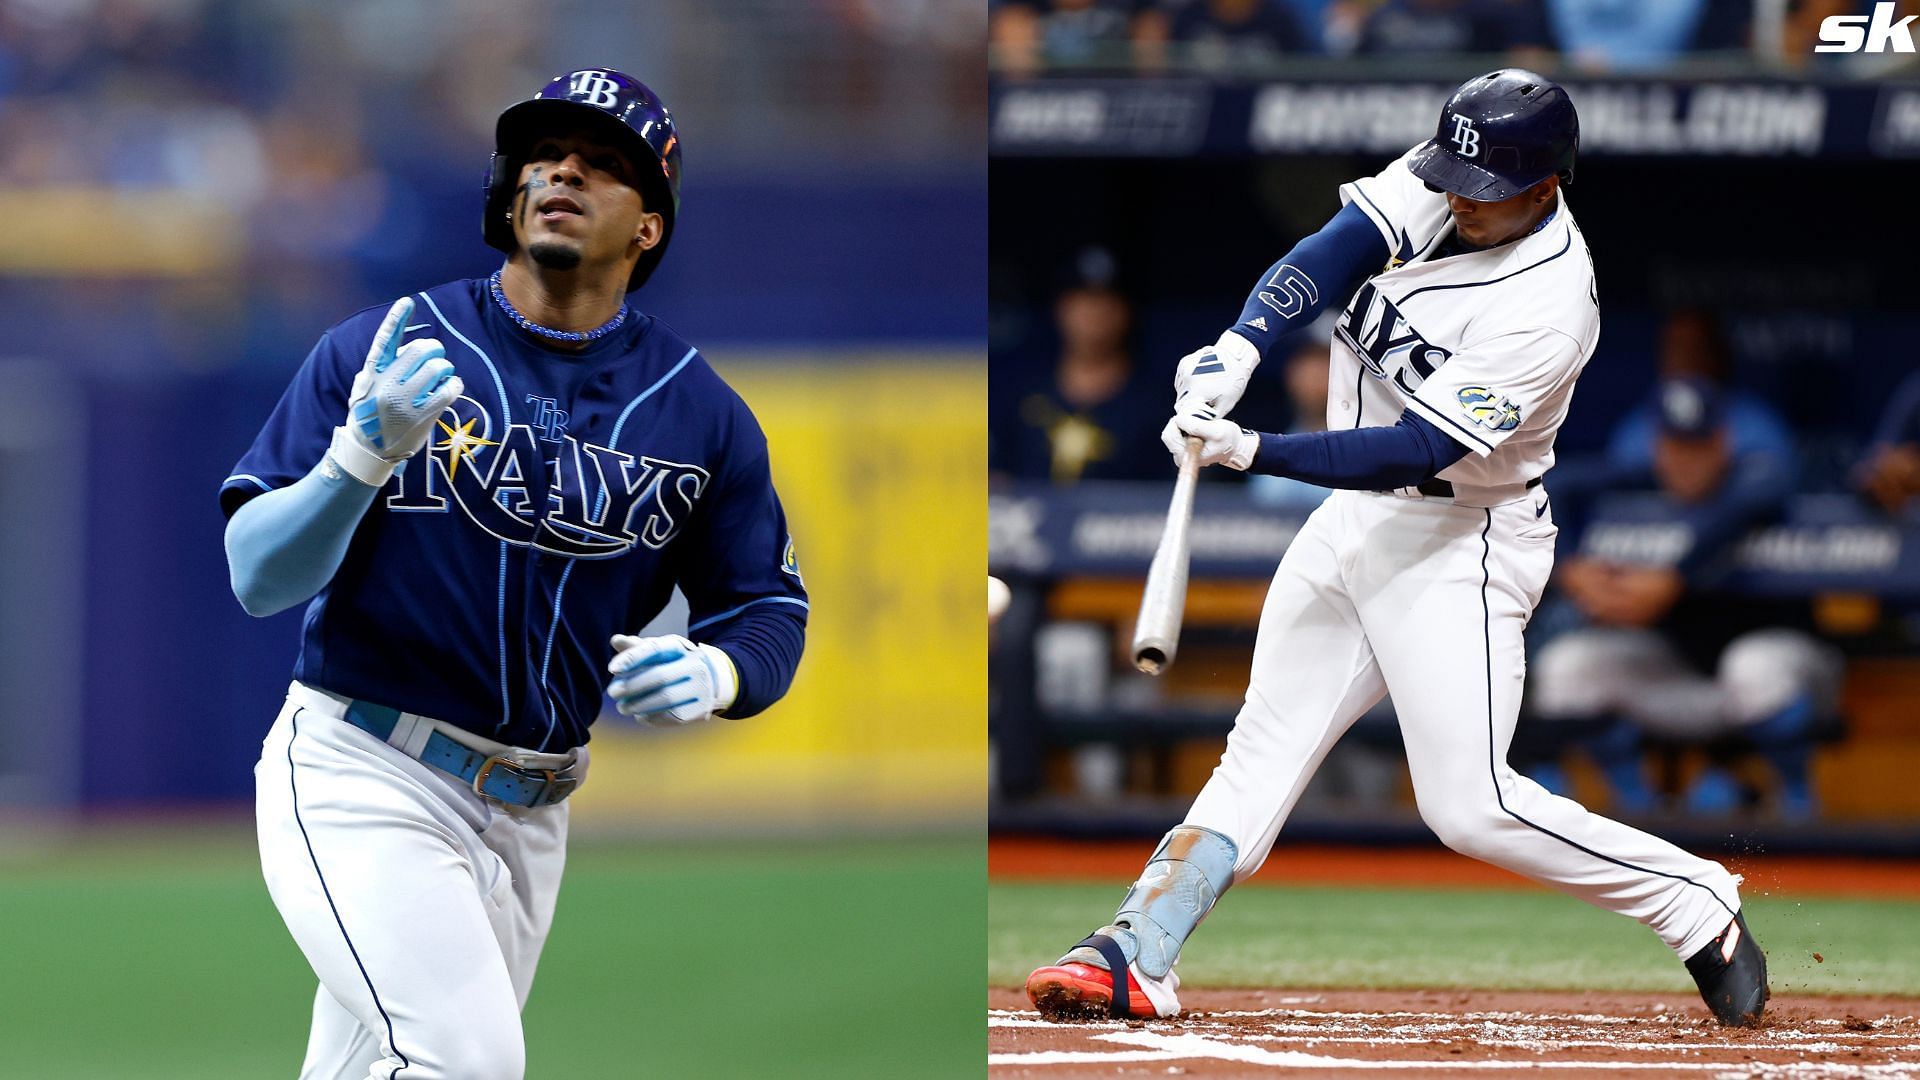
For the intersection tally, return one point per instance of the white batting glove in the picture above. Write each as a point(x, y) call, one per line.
point(1215, 376)
point(1223, 442)
point(669, 680)
point(399, 393)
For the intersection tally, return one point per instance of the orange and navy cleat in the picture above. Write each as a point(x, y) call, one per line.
point(1084, 992)
point(1072, 990)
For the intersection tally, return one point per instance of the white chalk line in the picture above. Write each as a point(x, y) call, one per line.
point(1476, 1017)
point(1309, 1034)
point(1528, 1036)
point(1545, 1044)
point(1227, 1044)
point(1161, 1047)
point(1482, 1027)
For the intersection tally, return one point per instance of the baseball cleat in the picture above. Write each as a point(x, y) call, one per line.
point(1732, 975)
point(1083, 992)
point(1076, 990)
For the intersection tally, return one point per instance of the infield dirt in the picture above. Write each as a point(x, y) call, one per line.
point(1271, 1033)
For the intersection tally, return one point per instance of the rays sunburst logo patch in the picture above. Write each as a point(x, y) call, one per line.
point(1488, 409)
point(790, 563)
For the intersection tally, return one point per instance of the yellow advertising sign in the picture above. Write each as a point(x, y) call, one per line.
point(881, 465)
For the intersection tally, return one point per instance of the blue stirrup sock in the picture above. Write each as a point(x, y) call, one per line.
point(1186, 875)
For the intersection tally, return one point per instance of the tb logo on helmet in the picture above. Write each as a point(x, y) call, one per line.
point(1464, 137)
point(594, 88)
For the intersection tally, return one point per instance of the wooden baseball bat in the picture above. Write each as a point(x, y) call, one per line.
point(1156, 634)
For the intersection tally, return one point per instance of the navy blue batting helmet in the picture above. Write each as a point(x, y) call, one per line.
point(617, 109)
point(1500, 134)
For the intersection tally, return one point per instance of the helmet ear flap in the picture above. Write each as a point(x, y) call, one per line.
point(499, 170)
point(495, 228)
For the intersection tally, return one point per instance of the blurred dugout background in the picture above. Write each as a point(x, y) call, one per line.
point(1731, 648)
point(194, 190)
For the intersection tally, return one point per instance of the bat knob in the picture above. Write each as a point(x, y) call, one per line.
point(1150, 659)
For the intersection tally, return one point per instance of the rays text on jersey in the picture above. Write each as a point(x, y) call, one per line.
point(1386, 343)
point(578, 499)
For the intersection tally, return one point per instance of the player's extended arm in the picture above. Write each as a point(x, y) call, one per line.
point(1322, 269)
point(284, 546)
point(1411, 452)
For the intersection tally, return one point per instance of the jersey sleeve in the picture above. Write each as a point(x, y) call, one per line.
point(1392, 199)
point(299, 429)
point(1483, 394)
point(741, 575)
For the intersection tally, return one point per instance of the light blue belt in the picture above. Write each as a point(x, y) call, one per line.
point(492, 777)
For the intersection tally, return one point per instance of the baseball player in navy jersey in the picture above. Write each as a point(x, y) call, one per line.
point(1469, 311)
point(481, 492)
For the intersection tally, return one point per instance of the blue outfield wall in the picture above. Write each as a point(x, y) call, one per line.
point(181, 683)
point(815, 257)
point(839, 260)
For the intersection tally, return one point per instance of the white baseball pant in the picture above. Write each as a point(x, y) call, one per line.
point(1426, 599)
point(421, 906)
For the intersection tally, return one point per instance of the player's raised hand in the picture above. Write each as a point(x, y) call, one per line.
point(1215, 376)
point(396, 397)
point(1223, 441)
point(670, 680)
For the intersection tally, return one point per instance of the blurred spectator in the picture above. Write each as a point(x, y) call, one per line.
point(1693, 345)
point(1030, 34)
point(1515, 29)
point(1236, 35)
point(1890, 473)
point(1094, 417)
point(1306, 375)
point(301, 157)
point(1625, 35)
point(1719, 473)
point(1635, 670)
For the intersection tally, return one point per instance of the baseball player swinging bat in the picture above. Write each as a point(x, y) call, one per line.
point(1156, 633)
point(1468, 309)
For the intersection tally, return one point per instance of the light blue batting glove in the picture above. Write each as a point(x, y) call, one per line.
point(666, 681)
point(396, 398)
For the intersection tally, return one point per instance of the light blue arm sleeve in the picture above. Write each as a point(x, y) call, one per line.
point(283, 546)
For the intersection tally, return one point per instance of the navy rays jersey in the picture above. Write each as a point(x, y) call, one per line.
point(556, 504)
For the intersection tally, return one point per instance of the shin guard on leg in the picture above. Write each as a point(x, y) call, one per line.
point(1188, 872)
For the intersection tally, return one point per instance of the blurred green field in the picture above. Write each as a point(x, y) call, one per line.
point(163, 958)
point(1488, 939)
